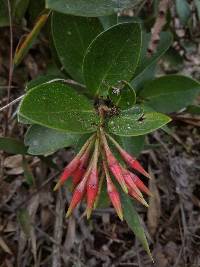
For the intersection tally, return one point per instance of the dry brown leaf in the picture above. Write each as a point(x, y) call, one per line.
point(4, 246)
point(13, 161)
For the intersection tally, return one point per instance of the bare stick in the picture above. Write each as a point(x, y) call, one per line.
point(158, 25)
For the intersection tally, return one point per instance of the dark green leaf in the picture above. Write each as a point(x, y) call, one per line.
point(113, 56)
point(72, 36)
point(13, 146)
point(183, 10)
point(58, 106)
point(19, 9)
point(128, 124)
point(124, 97)
point(133, 145)
point(35, 8)
point(109, 21)
point(132, 218)
point(193, 109)
point(44, 141)
point(170, 93)
point(91, 8)
point(146, 62)
point(4, 18)
point(39, 80)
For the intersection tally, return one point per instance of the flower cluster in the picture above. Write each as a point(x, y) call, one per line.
point(95, 158)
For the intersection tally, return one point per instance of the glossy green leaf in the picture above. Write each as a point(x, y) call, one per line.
point(147, 63)
point(58, 106)
point(13, 146)
point(183, 10)
point(39, 80)
point(113, 56)
point(72, 36)
point(91, 8)
point(170, 93)
point(128, 124)
point(44, 141)
point(132, 144)
point(133, 220)
point(124, 97)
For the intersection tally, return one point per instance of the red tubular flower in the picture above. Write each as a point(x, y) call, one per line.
point(114, 165)
point(113, 194)
point(140, 184)
point(92, 190)
point(84, 169)
point(129, 181)
point(79, 172)
point(133, 194)
point(73, 165)
point(131, 161)
point(77, 196)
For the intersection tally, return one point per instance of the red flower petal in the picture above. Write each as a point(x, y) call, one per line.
point(115, 198)
point(92, 190)
point(77, 196)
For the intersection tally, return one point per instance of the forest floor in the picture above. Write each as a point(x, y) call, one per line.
point(33, 228)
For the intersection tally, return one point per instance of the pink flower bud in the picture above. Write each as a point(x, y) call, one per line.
point(92, 190)
point(77, 196)
point(116, 170)
point(79, 172)
point(130, 182)
point(140, 184)
point(133, 163)
point(114, 198)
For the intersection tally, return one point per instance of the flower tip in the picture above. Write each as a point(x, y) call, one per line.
point(57, 186)
point(143, 201)
point(120, 215)
point(69, 211)
point(124, 187)
point(88, 212)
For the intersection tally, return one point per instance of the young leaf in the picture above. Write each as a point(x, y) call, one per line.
point(128, 124)
point(92, 8)
point(58, 106)
point(113, 56)
point(124, 97)
point(44, 141)
point(132, 218)
point(72, 36)
point(13, 146)
point(170, 93)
